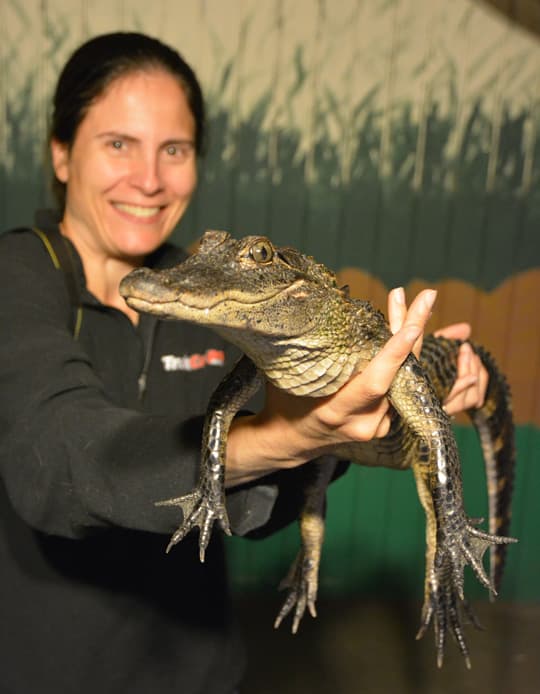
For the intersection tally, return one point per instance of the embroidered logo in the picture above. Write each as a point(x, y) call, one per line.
point(193, 362)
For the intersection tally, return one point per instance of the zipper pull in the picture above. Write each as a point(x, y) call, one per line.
point(147, 331)
point(141, 381)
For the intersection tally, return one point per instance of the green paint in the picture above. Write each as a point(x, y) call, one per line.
point(253, 180)
point(381, 226)
point(375, 532)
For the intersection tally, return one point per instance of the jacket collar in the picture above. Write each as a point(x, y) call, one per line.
point(165, 256)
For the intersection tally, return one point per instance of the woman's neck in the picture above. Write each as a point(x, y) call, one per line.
point(103, 272)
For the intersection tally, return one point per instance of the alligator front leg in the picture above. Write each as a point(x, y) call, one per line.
point(302, 579)
point(206, 503)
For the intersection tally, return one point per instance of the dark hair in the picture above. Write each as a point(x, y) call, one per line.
point(100, 61)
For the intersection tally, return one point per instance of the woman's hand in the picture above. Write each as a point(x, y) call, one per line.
point(469, 389)
point(470, 386)
point(291, 430)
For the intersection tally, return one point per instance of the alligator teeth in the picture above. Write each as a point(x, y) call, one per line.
point(136, 210)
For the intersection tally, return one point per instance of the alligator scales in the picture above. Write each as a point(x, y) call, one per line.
point(302, 332)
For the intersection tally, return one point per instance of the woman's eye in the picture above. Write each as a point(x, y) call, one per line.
point(180, 151)
point(116, 144)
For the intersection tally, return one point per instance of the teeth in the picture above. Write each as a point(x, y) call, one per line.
point(136, 210)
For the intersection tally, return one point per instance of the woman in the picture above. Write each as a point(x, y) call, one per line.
point(97, 426)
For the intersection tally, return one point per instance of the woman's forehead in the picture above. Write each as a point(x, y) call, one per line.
point(140, 99)
point(138, 83)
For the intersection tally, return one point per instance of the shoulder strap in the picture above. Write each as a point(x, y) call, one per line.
point(62, 259)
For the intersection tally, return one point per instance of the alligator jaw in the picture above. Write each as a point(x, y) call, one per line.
point(143, 292)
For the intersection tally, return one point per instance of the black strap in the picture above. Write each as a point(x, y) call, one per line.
point(61, 255)
point(64, 257)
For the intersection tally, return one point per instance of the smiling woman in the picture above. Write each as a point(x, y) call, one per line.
point(97, 427)
point(130, 173)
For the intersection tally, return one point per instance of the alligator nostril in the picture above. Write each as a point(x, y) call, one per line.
point(139, 281)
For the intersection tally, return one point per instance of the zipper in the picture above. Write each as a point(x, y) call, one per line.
point(147, 330)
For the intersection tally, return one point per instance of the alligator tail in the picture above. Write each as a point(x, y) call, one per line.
point(495, 426)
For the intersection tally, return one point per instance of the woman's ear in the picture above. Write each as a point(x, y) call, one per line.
point(60, 160)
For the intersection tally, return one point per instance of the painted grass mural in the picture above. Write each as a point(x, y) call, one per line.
point(396, 140)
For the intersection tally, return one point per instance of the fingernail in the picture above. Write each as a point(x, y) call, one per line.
point(399, 295)
point(429, 298)
point(466, 349)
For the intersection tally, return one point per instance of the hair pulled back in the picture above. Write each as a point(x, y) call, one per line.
point(99, 62)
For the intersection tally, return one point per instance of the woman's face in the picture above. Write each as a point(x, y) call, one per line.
point(131, 170)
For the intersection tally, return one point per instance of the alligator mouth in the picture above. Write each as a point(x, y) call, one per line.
point(199, 303)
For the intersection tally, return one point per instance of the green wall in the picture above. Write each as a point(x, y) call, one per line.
point(375, 542)
point(396, 137)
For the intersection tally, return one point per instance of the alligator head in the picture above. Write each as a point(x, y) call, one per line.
point(236, 284)
point(277, 305)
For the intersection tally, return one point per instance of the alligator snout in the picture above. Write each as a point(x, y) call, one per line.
point(142, 284)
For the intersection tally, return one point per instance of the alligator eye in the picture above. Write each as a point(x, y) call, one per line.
point(261, 251)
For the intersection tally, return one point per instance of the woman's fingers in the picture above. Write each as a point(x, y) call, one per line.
point(469, 389)
point(456, 331)
point(362, 403)
point(397, 313)
point(383, 367)
point(359, 410)
point(397, 309)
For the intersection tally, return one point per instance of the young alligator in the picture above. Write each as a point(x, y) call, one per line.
point(303, 333)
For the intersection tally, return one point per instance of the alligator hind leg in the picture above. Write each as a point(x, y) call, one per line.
point(206, 503)
point(495, 427)
point(447, 553)
point(441, 596)
point(302, 580)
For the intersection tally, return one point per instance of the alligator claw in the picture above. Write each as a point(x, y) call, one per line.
point(445, 602)
point(199, 510)
point(302, 582)
point(445, 608)
point(468, 547)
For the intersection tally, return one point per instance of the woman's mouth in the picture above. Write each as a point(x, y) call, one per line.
point(138, 210)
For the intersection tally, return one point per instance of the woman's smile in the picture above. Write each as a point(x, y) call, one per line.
point(139, 212)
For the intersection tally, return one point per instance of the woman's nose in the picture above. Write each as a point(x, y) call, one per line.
point(146, 175)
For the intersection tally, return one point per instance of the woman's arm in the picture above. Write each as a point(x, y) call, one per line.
point(72, 458)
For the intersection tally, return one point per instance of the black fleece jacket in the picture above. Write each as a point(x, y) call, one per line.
point(89, 601)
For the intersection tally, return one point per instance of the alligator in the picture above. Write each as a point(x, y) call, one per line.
point(304, 333)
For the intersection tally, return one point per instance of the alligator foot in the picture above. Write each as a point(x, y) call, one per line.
point(200, 509)
point(445, 602)
point(302, 582)
point(445, 608)
point(467, 546)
